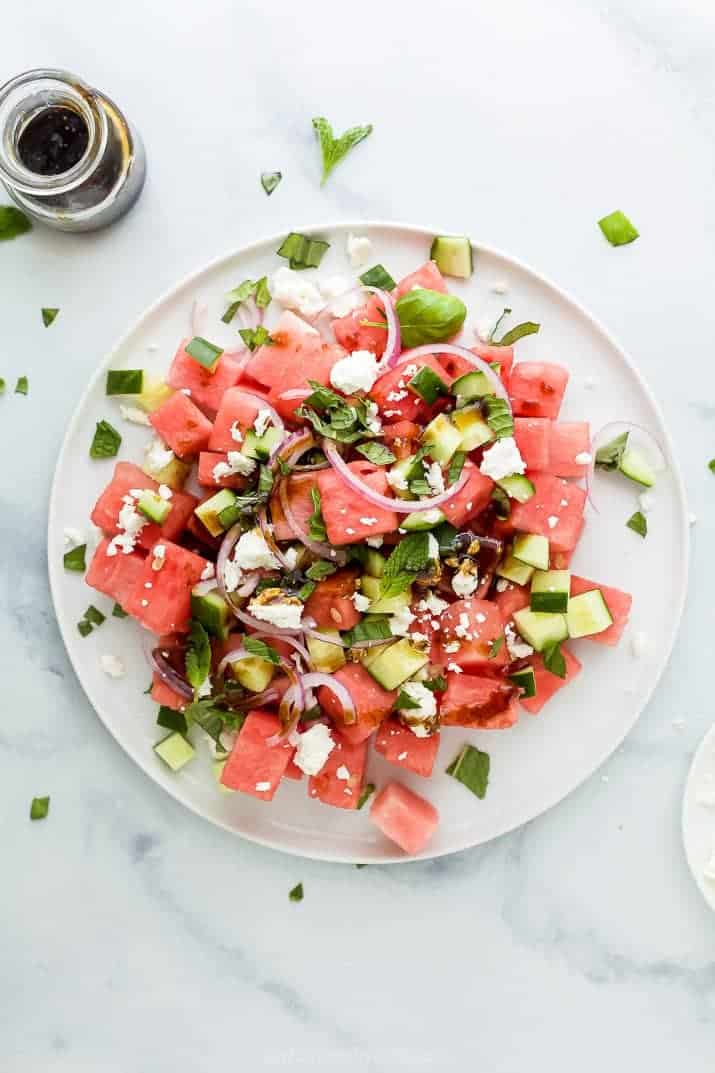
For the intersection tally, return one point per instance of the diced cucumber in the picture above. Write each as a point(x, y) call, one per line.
point(634, 466)
point(208, 512)
point(253, 672)
point(175, 750)
point(427, 385)
point(540, 629)
point(421, 520)
point(153, 507)
point(471, 386)
point(374, 563)
point(397, 663)
point(550, 590)
point(369, 655)
point(453, 255)
point(260, 447)
point(588, 614)
point(514, 570)
point(474, 429)
point(517, 487)
point(383, 605)
point(154, 392)
point(324, 656)
point(217, 767)
point(405, 470)
point(532, 549)
point(442, 437)
point(526, 680)
point(212, 611)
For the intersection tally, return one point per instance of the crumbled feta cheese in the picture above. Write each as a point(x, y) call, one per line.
point(462, 627)
point(639, 643)
point(396, 396)
point(355, 372)
point(420, 638)
point(157, 455)
point(646, 501)
point(296, 292)
point(516, 648)
point(499, 286)
point(263, 787)
point(423, 697)
point(454, 668)
point(158, 556)
point(502, 584)
point(314, 747)
point(360, 602)
point(252, 552)
point(134, 415)
point(349, 531)
point(145, 603)
point(502, 459)
point(409, 371)
point(451, 647)
point(264, 418)
point(342, 773)
point(73, 537)
point(291, 557)
point(400, 622)
point(434, 476)
point(148, 585)
point(185, 391)
point(393, 413)
point(232, 575)
point(465, 582)
point(368, 521)
point(112, 666)
point(235, 463)
point(583, 458)
point(285, 614)
point(396, 480)
point(432, 603)
point(552, 521)
point(208, 572)
point(432, 547)
point(359, 250)
point(130, 522)
point(372, 419)
point(375, 542)
point(236, 434)
point(165, 492)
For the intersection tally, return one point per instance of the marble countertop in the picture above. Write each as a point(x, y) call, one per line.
point(137, 938)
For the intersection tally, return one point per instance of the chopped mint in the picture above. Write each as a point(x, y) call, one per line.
point(529, 327)
point(306, 591)
point(256, 289)
point(296, 895)
point(270, 180)
point(106, 441)
point(455, 467)
point(499, 417)
point(320, 569)
point(39, 808)
point(471, 768)
point(255, 337)
point(84, 627)
point(301, 251)
point(438, 684)
point(22, 387)
point(408, 557)
point(554, 660)
point(405, 702)
point(198, 655)
point(124, 382)
point(118, 611)
point(333, 149)
point(93, 615)
point(12, 223)
point(618, 229)
point(203, 352)
point(365, 794)
point(172, 720)
point(378, 276)
point(74, 559)
point(316, 524)
point(376, 453)
point(711, 465)
point(48, 316)
point(638, 523)
point(260, 648)
point(2, 385)
point(265, 480)
point(495, 647)
point(369, 629)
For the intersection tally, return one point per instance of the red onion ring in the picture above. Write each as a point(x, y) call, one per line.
point(261, 627)
point(169, 675)
point(393, 344)
point(256, 700)
point(340, 691)
point(608, 432)
point(323, 551)
point(249, 585)
point(276, 419)
point(461, 352)
point(300, 648)
point(401, 506)
point(224, 554)
point(265, 527)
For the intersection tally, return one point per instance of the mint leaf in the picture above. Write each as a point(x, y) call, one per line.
point(711, 465)
point(49, 316)
point(333, 149)
point(428, 316)
point(296, 895)
point(407, 558)
point(316, 524)
point(119, 612)
point(22, 387)
point(610, 455)
point(369, 629)
point(471, 768)
point(378, 276)
point(260, 648)
point(270, 180)
point(39, 808)
point(365, 794)
point(94, 616)
point(529, 327)
point(319, 570)
point(438, 684)
point(12, 223)
point(198, 655)
point(105, 442)
point(74, 559)
point(618, 229)
point(255, 337)
point(498, 416)
point(495, 647)
point(638, 523)
point(376, 453)
point(405, 702)
point(170, 719)
point(554, 660)
point(455, 467)
point(124, 382)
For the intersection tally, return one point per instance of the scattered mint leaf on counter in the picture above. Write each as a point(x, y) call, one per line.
point(49, 316)
point(471, 768)
point(333, 149)
point(319, 570)
point(296, 895)
point(84, 627)
point(711, 465)
point(124, 382)
point(22, 387)
point(638, 523)
point(198, 655)
point(94, 616)
point(270, 180)
point(204, 352)
point(13, 223)
point(618, 229)
point(428, 316)
point(119, 612)
point(610, 455)
point(529, 327)
point(495, 647)
point(554, 660)
point(75, 559)
point(106, 441)
point(376, 453)
point(2, 385)
point(316, 524)
point(365, 794)
point(39, 808)
point(259, 648)
point(255, 337)
point(302, 252)
point(378, 276)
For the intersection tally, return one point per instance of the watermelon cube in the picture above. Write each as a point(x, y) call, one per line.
point(205, 386)
point(330, 603)
point(394, 398)
point(568, 441)
point(240, 408)
point(547, 683)
point(427, 276)
point(404, 817)
point(532, 439)
point(349, 517)
point(372, 703)
point(352, 334)
point(114, 575)
point(503, 356)
point(512, 599)
point(340, 780)
point(537, 388)
point(618, 603)
point(473, 625)
point(300, 487)
point(479, 702)
point(164, 694)
point(404, 749)
point(182, 425)
point(554, 511)
point(255, 767)
point(161, 599)
point(471, 499)
point(208, 460)
point(129, 478)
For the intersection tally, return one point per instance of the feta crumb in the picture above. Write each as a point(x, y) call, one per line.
point(434, 476)
point(158, 556)
point(235, 463)
point(502, 584)
point(516, 648)
point(232, 575)
point(73, 537)
point(503, 459)
point(396, 480)
point(165, 492)
point(462, 627)
point(145, 603)
point(375, 542)
point(401, 621)
point(342, 773)
point(552, 521)
point(349, 531)
point(134, 415)
point(236, 434)
point(252, 552)
point(466, 580)
point(291, 557)
point(420, 638)
point(185, 391)
point(359, 249)
point(639, 643)
point(393, 413)
point(355, 372)
point(432, 547)
point(451, 647)
point(314, 747)
point(296, 292)
point(432, 603)
point(148, 585)
point(112, 666)
point(372, 419)
point(208, 572)
point(499, 287)
point(130, 522)
point(454, 668)
point(423, 697)
point(360, 602)
point(583, 458)
point(402, 756)
point(285, 614)
point(263, 787)
point(157, 455)
point(368, 521)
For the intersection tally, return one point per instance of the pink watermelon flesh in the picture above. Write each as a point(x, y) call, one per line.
point(343, 508)
point(404, 749)
point(567, 441)
point(163, 694)
point(127, 478)
point(427, 276)
point(165, 607)
point(547, 683)
point(554, 511)
point(532, 439)
point(501, 355)
point(300, 486)
point(331, 786)
point(510, 600)
point(372, 703)
point(473, 624)
point(537, 388)
point(238, 407)
point(208, 460)
point(205, 387)
point(478, 701)
point(618, 603)
point(182, 425)
point(471, 499)
point(114, 575)
point(255, 767)
point(405, 405)
point(404, 817)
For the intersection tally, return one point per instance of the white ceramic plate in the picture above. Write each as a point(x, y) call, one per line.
point(699, 816)
point(535, 764)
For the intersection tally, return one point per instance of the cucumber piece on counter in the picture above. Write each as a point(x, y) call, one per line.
point(453, 255)
point(175, 750)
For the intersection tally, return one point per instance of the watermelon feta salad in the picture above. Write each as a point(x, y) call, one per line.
point(351, 531)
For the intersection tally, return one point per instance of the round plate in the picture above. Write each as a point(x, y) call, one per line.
point(539, 761)
point(699, 816)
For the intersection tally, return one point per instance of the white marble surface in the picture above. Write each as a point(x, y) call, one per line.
point(135, 937)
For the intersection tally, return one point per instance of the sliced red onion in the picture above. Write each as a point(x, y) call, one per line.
point(317, 678)
point(265, 527)
point(276, 418)
point(296, 444)
point(224, 554)
point(255, 700)
point(300, 648)
point(256, 624)
point(323, 551)
point(295, 393)
point(401, 506)
point(249, 585)
point(609, 432)
point(291, 708)
point(393, 344)
point(169, 675)
point(461, 352)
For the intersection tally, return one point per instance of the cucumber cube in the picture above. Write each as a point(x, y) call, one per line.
point(421, 520)
point(324, 656)
point(532, 549)
point(588, 614)
point(153, 507)
point(540, 629)
point(526, 680)
point(474, 429)
point(209, 511)
point(397, 663)
point(442, 438)
point(550, 590)
point(514, 570)
point(453, 255)
point(175, 750)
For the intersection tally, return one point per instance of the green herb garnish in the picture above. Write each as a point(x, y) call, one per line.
point(259, 648)
point(93, 615)
point(405, 702)
point(296, 895)
point(371, 628)
point(365, 794)
point(638, 523)
point(84, 627)
point(316, 523)
point(203, 352)
point(495, 647)
point(333, 149)
point(75, 559)
point(711, 465)
point(106, 441)
point(438, 684)
point(554, 660)
point(301, 251)
point(198, 655)
point(265, 480)
point(618, 229)
point(270, 180)
point(498, 416)
point(2, 385)
point(22, 387)
point(502, 503)
point(428, 316)
point(256, 289)
point(320, 569)
point(284, 467)
point(471, 768)
point(529, 327)
point(379, 277)
point(456, 466)
point(427, 385)
point(306, 591)
point(12, 223)
point(255, 337)
point(311, 714)
point(39, 808)
point(407, 558)
point(119, 612)
point(376, 453)
point(124, 382)
point(172, 720)
point(610, 455)
point(48, 316)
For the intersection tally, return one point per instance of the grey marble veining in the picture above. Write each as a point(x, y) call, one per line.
point(138, 939)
